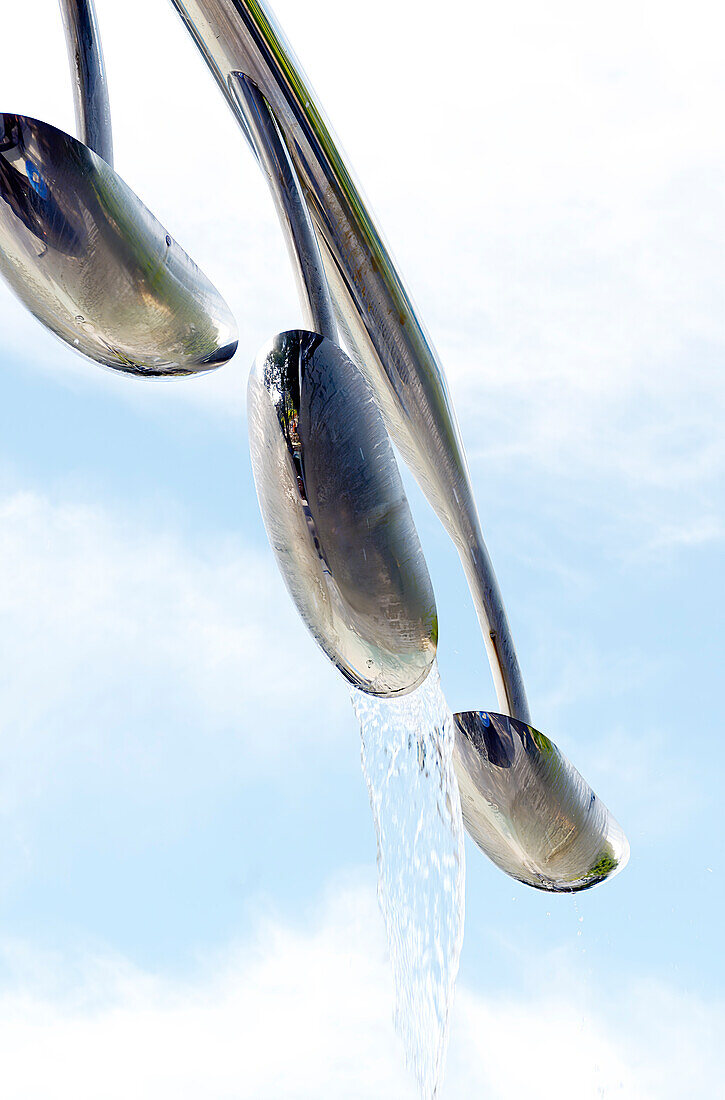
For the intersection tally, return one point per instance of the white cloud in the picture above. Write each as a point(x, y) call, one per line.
point(302, 1013)
point(548, 181)
point(122, 641)
point(705, 530)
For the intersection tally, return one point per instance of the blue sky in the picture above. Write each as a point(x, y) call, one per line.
point(187, 878)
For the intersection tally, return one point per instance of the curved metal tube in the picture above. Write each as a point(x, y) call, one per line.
point(375, 312)
point(88, 73)
point(304, 250)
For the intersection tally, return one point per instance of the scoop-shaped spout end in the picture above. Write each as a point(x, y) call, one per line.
point(529, 809)
point(88, 259)
point(337, 516)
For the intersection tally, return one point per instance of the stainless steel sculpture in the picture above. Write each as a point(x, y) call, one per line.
point(84, 254)
point(244, 46)
point(91, 262)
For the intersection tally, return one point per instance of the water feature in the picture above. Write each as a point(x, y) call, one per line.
point(407, 747)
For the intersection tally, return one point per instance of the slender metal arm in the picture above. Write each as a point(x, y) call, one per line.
point(382, 328)
point(90, 91)
point(294, 216)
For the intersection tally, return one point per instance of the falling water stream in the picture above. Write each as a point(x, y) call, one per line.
point(407, 747)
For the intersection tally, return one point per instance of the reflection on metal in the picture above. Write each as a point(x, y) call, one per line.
point(337, 516)
point(88, 73)
point(88, 259)
point(529, 809)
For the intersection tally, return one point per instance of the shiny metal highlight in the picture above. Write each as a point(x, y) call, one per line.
point(336, 514)
point(529, 809)
point(88, 73)
point(89, 260)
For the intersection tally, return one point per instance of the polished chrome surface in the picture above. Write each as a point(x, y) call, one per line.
point(90, 91)
point(529, 809)
point(376, 314)
point(336, 514)
point(291, 207)
point(88, 259)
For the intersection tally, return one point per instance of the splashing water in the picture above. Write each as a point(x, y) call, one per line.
point(407, 747)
